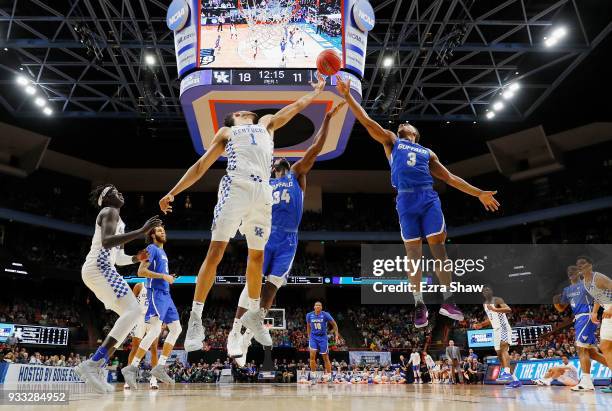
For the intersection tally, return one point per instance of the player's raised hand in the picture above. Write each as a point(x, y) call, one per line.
point(164, 203)
point(318, 86)
point(488, 201)
point(343, 86)
point(142, 255)
point(151, 223)
point(168, 278)
point(334, 110)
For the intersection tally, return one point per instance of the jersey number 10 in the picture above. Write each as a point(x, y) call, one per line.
point(284, 196)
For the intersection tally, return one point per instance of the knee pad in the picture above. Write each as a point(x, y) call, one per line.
point(175, 330)
point(243, 301)
point(277, 281)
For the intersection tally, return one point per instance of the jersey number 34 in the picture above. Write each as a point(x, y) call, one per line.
point(284, 196)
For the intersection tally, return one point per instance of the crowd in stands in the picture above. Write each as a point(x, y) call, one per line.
point(54, 312)
point(20, 355)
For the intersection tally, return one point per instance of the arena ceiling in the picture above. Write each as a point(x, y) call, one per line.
point(451, 59)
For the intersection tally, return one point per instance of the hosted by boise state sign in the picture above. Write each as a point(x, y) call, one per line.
point(11, 373)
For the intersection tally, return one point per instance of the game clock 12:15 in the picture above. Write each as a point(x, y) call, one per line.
point(263, 76)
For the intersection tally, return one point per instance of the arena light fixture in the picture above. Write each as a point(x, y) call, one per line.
point(149, 59)
point(30, 90)
point(550, 41)
point(507, 95)
point(559, 33)
point(388, 62)
point(490, 114)
point(40, 102)
point(498, 106)
point(22, 81)
point(514, 86)
point(47, 111)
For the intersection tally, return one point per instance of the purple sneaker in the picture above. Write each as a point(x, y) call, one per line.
point(514, 384)
point(420, 316)
point(451, 311)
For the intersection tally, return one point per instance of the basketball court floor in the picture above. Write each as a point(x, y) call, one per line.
point(271, 397)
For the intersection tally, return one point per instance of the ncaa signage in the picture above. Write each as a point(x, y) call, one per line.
point(178, 13)
point(363, 14)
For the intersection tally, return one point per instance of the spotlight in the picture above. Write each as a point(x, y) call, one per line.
point(490, 114)
point(30, 90)
point(473, 122)
point(448, 122)
point(498, 105)
point(47, 111)
point(149, 59)
point(559, 33)
point(40, 102)
point(6, 49)
point(507, 95)
point(514, 86)
point(550, 41)
point(22, 81)
point(388, 62)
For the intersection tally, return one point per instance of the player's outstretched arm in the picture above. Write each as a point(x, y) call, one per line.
point(109, 218)
point(197, 170)
point(383, 136)
point(482, 324)
point(284, 115)
point(304, 165)
point(438, 170)
point(143, 271)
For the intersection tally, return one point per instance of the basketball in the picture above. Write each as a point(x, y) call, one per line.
point(328, 62)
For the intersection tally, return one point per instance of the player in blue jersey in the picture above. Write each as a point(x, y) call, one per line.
point(316, 328)
point(161, 309)
point(289, 186)
point(581, 303)
point(418, 206)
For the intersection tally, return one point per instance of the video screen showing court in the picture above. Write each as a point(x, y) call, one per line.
point(272, 33)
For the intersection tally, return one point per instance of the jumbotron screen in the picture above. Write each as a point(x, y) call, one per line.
point(268, 33)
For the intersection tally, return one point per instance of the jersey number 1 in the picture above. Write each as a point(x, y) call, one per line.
point(253, 142)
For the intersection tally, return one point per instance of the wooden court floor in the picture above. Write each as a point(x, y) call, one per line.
point(272, 397)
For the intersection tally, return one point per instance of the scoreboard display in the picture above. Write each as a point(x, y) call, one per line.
point(35, 334)
point(520, 336)
point(247, 77)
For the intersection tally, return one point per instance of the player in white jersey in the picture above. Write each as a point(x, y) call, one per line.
point(566, 374)
point(496, 310)
point(415, 361)
point(101, 277)
point(600, 288)
point(430, 366)
point(140, 291)
point(244, 202)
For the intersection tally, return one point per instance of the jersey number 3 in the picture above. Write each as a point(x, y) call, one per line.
point(411, 159)
point(284, 196)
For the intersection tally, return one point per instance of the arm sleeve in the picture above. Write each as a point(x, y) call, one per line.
point(123, 259)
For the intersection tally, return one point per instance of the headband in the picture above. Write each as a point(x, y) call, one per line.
point(103, 194)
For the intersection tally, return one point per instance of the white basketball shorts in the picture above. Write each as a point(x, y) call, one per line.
point(501, 335)
point(246, 205)
point(605, 333)
point(106, 283)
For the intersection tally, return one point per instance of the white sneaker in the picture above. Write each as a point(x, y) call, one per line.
point(244, 346)
point(89, 371)
point(234, 346)
point(253, 320)
point(103, 378)
point(153, 383)
point(130, 373)
point(195, 333)
point(159, 371)
point(582, 386)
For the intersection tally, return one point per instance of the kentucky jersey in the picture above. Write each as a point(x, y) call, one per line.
point(249, 152)
point(158, 263)
point(409, 165)
point(287, 202)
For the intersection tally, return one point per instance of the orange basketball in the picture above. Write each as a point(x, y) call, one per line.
point(328, 62)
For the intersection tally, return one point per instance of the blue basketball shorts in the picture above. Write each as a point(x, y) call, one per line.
point(585, 331)
point(420, 214)
point(162, 306)
point(318, 343)
point(279, 253)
